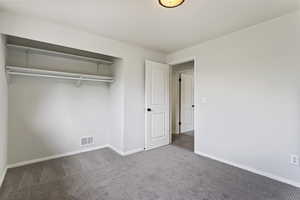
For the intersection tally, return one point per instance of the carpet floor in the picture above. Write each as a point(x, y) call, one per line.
point(167, 173)
point(183, 140)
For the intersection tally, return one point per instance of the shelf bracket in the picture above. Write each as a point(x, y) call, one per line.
point(79, 82)
point(8, 77)
point(27, 57)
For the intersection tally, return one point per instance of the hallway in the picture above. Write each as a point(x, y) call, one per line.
point(184, 140)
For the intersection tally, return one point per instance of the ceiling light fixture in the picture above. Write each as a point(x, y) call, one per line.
point(170, 3)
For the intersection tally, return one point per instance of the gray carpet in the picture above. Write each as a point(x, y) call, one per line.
point(167, 173)
point(184, 141)
point(190, 133)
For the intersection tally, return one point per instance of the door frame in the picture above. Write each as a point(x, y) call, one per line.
point(196, 109)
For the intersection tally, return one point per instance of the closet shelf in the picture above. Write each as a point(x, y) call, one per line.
point(33, 72)
point(49, 52)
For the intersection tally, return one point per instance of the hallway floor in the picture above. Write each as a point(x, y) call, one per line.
point(184, 140)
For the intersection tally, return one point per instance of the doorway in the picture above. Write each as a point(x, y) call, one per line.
point(182, 105)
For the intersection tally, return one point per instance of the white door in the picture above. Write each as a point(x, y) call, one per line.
point(157, 105)
point(187, 102)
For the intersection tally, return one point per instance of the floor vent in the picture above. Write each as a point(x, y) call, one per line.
point(84, 141)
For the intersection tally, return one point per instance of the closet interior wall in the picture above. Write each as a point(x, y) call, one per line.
point(48, 117)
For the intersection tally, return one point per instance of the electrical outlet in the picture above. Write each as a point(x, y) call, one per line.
point(295, 160)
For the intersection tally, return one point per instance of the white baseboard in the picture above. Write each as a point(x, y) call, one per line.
point(55, 156)
point(116, 150)
point(250, 169)
point(2, 176)
point(19, 164)
point(126, 153)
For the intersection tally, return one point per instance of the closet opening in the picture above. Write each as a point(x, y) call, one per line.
point(60, 99)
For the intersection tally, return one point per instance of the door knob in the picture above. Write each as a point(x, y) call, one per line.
point(149, 109)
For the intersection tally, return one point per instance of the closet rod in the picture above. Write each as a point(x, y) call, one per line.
point(23, 71)
point(97, 60)
point(43, 71)
point(59, 77)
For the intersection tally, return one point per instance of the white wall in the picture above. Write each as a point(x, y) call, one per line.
point(187, 66)
point(251, 81)
point(131, 122)
point(47, 116)
point(3, 110)
point(116, 127)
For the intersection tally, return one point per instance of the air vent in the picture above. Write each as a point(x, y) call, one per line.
point(84, 141)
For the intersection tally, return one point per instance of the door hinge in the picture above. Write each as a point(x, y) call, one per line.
point(179, 79)
point(179, 123)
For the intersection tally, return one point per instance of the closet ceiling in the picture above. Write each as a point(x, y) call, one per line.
point(146, 23)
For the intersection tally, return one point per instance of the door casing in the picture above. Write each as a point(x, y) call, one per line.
point(196, 109)
point(197, 105)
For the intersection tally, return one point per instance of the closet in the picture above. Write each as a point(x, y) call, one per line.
point(37, 59)
point(59, 99)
